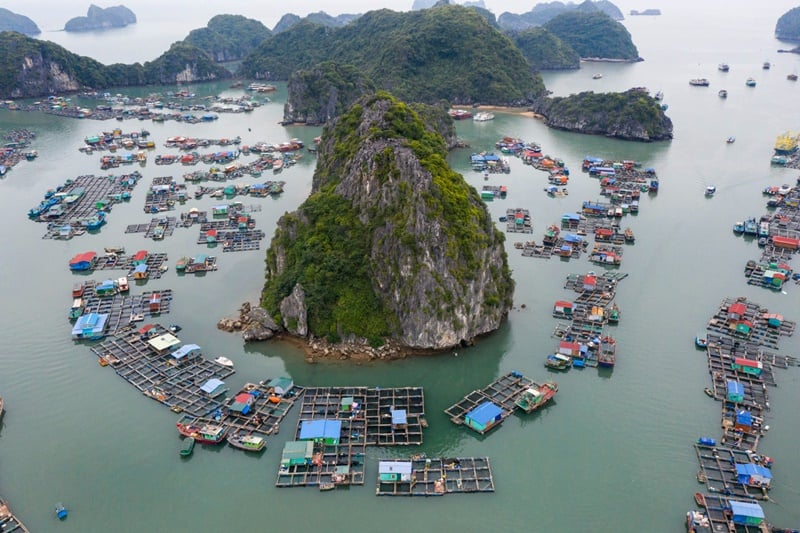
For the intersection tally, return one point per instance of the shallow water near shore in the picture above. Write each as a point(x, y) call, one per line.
point(614, 450)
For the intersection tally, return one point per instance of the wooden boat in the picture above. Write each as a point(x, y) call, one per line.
point(205, 434)
point(327, 486)
point(709, 392)
point(630, 238)
point(187, 446)
point(697, 522)
point(607, 355)
point(537, 396)
point(248, 443)
point(224, 361)
point(700, 499)
point(180, 265)
point(558, 362)
point(77, 309)
point(613, 314)
point(77, 290)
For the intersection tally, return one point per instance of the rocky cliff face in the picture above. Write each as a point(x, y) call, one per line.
point(39, 76)
point(322, 93)
point(391, 244)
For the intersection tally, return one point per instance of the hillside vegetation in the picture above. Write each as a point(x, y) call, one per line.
point(229, 37)
point(594, 35)
point(545, 51)
point(447, 52)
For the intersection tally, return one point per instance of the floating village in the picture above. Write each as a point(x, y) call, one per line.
point(337, 425)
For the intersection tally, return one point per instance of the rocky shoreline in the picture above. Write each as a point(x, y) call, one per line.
point(255, 325)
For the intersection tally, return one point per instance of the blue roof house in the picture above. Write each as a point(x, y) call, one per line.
point(753, 475)
point(484, 417)
point(399, 419)
point(186, 351)
point(213, 387)
point(90, 326)
point(735, 391)
point(746, 513)
point(325, 431)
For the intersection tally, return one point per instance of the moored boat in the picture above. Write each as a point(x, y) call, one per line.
point(77, 309)
point(701, 341)
point(224, 361)
point(700, 499)
point(187, 446)
point(205, 434)
point(122, 284)
point(248, 443)
point(613, 314)
point(1, 406)
point(786, 144)
point(697, 522)
point(709, 392)
point(738, 227)
point(459, 114)
point(607, 355)
point(180, 265)
point(536, 396)
point(558, 361)
point(77, 289)
point(699, 82)
point(483, 116)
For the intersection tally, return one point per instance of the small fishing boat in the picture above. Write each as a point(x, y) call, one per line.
point(174, 328)
point(537, 396)
point(558, 361)
point(722, 93)
point(700, 499)
point(122, 284)
point(738, 227)
point(711, 190)
point(701, 341)
point(1, 406)
point(766, 65)
point(709, 392)
point(327, 486)
point(791, 77)
point(61, 511)
point(248, 443)
point(723, 67)
point(613, 314)
point(597, 76)
point(751, 82)
point(116, 250)
point(731, 140)
point(224, 361)
point(180, 265)
point(204, 434)
point(77, 289)
point(187, 447)
point(697, 522)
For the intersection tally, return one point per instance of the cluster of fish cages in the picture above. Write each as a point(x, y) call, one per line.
point(163, 194)
point(739, 338)
point(159, 374)
point(125, 309)
point(518, 221)
point(8, 522)
point(434, 476)
point(156, 229)
point(156, 263)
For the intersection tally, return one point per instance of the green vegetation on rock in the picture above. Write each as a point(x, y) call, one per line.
point(98, 18)
point(630, 115)
point(229, 37)
point(543, 12)
point(594, 35)
point(447, 52)
point(545, 51)
point(788, 25)
point(324, 92)
point(391, 242)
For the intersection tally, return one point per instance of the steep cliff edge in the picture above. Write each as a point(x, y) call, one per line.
point(391, 245)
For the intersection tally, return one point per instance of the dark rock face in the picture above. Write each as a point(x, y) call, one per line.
point(324, 92)
point(788, 26)
point(98, 18)
point(10, 21)
point(435, 263)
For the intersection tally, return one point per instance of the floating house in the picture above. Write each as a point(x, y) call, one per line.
point(746, 513)
point(787, 243)
point(735, 391)
point(748, 366)
point(562, 308)
point(162, 344)
point(242, 403)
point(348, 404)
point(219, 210)
point(90, 326)
point(774, 320)
point(139, 258)
point(281, 386)
point(484, 417)
point(590, 282)
point(394, 471)
point(297, 453)
point(753, 475)
point(213, 387)
point(186, 351)
point(106, 288)
point(744, 421)
point(572, 349)
point(326, 431)
point(82, 261)
point(399, 419)
point(736, 311)
point(140, 271)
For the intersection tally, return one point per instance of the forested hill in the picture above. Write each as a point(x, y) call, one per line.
point(594, 35)
point(447, 52)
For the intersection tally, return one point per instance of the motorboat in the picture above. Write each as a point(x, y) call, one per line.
point(711, 190)
point(224, 361)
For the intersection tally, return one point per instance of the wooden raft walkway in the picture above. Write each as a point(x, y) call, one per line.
point(168, 225)
point(760, 332)
point(155, 264)
point(512, 227)
point(124, 309)
point(173, 383)
point(503, 392)
point(718, 468)
point(438, 476)
point(328, 463)
point(8, 522)
point(373, 419)
point(715, 506)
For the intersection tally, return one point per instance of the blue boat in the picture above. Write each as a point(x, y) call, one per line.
point(738, 227)
point(96, 221)
point(750, 226)
point(61, 511)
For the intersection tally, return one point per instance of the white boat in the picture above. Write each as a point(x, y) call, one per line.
point(224, 361)
point(597, 76)
point(710, 190)
point(483, 116)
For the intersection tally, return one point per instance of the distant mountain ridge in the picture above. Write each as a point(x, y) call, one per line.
point(10, 21)
point(320, 17)
point(788, 26)
point(98, 18)
point(229, 37)
point(544, 12)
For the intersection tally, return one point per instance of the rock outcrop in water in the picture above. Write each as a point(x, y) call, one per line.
point(322, 93)
point(632, 115)
point(788, 26)
point(10, 21)
point(391, 245)
point(98, 18)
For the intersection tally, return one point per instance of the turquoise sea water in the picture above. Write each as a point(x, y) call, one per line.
point(613, 453)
